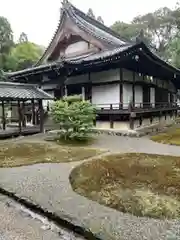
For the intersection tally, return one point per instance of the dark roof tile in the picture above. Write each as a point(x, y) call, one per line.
point(17, 91)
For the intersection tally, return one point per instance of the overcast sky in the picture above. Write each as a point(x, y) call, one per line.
point(39, 18)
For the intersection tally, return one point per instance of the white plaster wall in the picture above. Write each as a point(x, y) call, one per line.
point(76, 47)
point(152, 96)
point(103, 124)
point(50, 102)
point(136, 123)
point(105, 76)
point(48, 87)
point(138, 95)
point(146, 122)
point(83, 78)
point(127, 94)
point(105, 95)
point(121, 125)
point(138, 77)
point(127, 75)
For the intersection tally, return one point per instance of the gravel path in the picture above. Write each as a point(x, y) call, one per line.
point(48, 186)
point(16, 226)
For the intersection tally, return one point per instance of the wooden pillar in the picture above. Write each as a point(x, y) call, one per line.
point(121, 89)
point(23, 114)
point(65, 90)
point(151, 119)
point(132, 115)
point(89, 87)
point(41, 115)
point(131, 121)
point(3, 116)
point(20, 117)
point(33, 113)
point(83, 93)
point(133, 90)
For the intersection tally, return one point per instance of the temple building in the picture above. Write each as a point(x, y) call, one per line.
point(129, 84)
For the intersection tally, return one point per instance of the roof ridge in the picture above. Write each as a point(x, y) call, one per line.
point(67, 5)
point(68, 8)
point(80, 20)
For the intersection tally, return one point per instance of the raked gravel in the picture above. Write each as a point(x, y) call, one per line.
point(48, 185)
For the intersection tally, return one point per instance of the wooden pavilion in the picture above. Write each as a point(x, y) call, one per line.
point(15, 98)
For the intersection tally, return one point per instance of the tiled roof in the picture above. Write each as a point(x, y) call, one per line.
point(17, 91)
point(72, 60)
point(92, 26)
point(100, 55)
point(87, 24)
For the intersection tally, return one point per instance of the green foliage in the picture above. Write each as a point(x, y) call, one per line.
point(173, 52)
point(6, 40)
point(74, 116)
point(15, 57)
point(6, 35)
point(127, 30)
point(23, 55)
point(160, 25)
point(160, 28)
point(2, 75)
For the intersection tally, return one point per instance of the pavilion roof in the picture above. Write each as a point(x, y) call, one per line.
point(18, 91)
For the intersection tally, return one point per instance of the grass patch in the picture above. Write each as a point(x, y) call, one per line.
point(172, 137)
point(19, 154)
point(140, 184)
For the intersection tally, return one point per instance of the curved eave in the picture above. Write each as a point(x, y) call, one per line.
point(99, 25)
point(51, 44)
point(35, 70)
point(105, 37)
point(158, 60)
point(109, 57)
point(84, 21)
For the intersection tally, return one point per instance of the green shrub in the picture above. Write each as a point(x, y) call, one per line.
point(74, 116)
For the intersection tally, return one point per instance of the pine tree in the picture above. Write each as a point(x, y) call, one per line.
point(90, 13)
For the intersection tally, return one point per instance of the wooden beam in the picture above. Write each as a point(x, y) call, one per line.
point(3, 116)
point(41, 115)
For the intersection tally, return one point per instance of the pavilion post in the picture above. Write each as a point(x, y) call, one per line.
point(20, 117)
point(133, 90)
point(23, 115)
point(41, 114)
point(33, 112)
point(83, 93)
point(3, 116)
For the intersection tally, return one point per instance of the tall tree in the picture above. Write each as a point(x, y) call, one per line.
point(131, 31)
point(173, 52)
point(99, 19)
point(161, 27)
point(24, 55)
point(6, 40)
point(90, 13)
point(23, 38)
